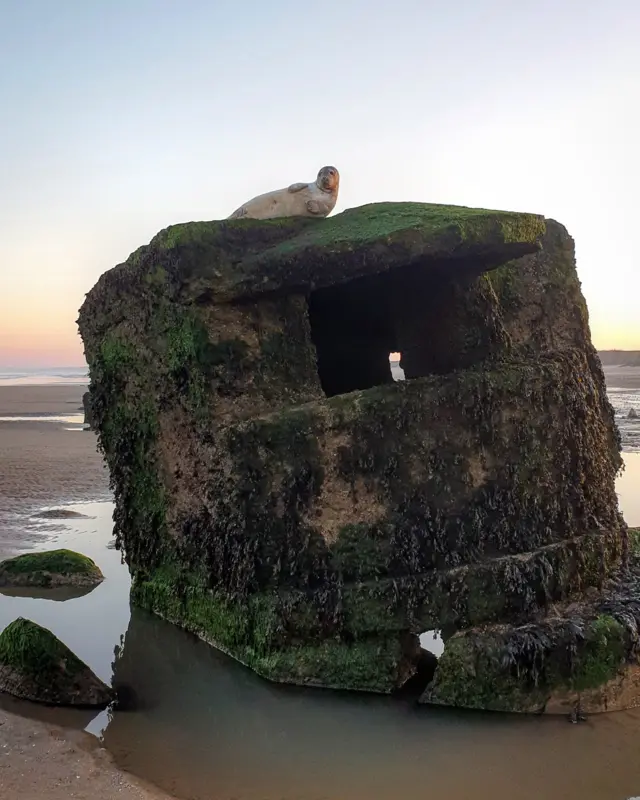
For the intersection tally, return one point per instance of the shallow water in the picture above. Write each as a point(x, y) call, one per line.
point(623, 401)
point(43, 376)
point(628, 489)
point(205, 727)
point(91, 625)
point(70, 419)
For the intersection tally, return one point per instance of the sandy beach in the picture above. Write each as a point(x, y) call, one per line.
point(39, 760)
point(45, 457)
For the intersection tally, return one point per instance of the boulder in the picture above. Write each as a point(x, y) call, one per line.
point(50, 568)
point(282, 497)
point(582, 659)
point(633, 414)
point(37, 666)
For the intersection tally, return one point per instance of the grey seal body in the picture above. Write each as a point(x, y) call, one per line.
point(315, 199)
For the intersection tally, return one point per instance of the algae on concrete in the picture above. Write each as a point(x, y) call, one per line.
point(280, 496)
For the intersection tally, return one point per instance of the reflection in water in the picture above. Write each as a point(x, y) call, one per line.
point(77, 419)
point(91, 625)
point(59, 593)
point(208, 728)
point(202, 726)
point(75, 718)
point(628, 487)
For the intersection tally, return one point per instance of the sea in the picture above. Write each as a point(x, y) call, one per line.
point(42, 376)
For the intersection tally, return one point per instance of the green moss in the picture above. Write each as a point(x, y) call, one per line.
point(520, 669)
point(187, 349)
point(128, 437)
point(60, 562)
point(236, 252)
point(186, 235)
point(253, 633)
point(373, 609)
point(361, 551)
point(601, 655)
point(35, 652)
point(63, 562)
point(468, 678)
point(116, 356)
point(364, 666)
point(394, 221)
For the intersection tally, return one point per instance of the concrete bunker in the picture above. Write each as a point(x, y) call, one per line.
point(280, 496)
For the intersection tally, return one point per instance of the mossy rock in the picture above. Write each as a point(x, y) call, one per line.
point(554, 666)
point(35, 665)
point(50, 569)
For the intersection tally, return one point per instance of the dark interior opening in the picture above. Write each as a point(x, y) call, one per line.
point(423, 313)
point(353, 331)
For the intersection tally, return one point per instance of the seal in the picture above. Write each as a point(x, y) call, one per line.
point(315, 199)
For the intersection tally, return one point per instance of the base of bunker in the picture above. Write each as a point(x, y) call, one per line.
point(580, 658)
point(576, 658)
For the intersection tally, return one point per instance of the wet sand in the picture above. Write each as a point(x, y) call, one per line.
point(45, 456)
point(38, 760)
point(45, 463)
point(622, 377)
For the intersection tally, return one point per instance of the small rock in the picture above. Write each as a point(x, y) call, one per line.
point(35, 665)
point(60, 513)
point(50, 568)
point(633, 414)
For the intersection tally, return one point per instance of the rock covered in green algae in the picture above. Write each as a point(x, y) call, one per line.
point(583, 656)
point(241, 259)
point(50, 568)
point(277, 493)
point(35, 665)
point(553, 666)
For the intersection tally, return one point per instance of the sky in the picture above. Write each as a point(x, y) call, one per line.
point(120, 117)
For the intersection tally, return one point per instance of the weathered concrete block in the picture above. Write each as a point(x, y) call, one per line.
point(279, 495)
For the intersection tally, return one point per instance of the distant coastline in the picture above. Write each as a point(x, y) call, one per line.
point(43, 376)
point(620, 358)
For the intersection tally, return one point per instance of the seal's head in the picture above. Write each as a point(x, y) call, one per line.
point(328, 179)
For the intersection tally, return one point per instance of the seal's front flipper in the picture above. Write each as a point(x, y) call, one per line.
point(297, 187)
point(316, 208)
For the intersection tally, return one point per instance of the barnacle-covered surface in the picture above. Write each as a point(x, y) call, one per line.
point(281, 497)
point(583, 655)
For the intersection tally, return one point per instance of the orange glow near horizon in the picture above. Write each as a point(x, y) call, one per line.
point(39, 337)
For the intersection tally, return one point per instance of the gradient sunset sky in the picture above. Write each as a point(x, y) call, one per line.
point(120, 117)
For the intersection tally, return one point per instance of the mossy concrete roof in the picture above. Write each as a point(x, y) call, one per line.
point(231, 260)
